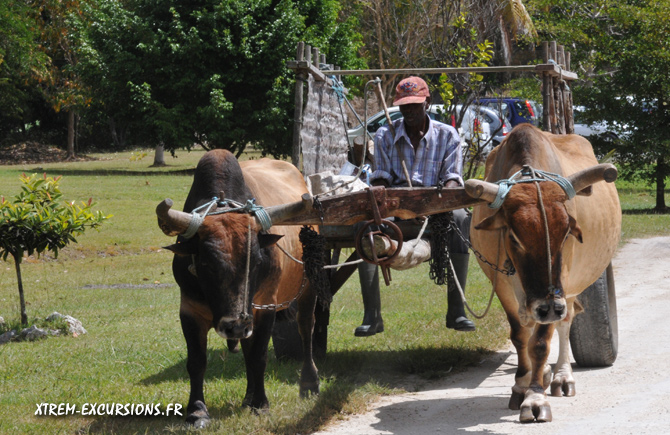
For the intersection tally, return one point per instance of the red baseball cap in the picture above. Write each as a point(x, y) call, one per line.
point(411, 90)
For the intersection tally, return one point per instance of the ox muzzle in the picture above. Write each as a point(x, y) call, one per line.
point(548, 310)
point(235, 328)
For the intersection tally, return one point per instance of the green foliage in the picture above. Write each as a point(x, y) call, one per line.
point(212, 73)
point(36, 221)
point(22, 65)
point(626, 47)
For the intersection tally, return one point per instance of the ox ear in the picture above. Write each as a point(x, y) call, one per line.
point(267, 239)
point(575, 230)
point(184, 248)
point(495, 222)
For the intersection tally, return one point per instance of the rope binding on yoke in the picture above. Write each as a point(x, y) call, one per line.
point(249, 207)
point(533, 176)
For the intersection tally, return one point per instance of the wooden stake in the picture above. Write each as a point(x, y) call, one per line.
point(300, 78)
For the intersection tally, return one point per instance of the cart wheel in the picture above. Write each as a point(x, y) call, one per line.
point(594, 335)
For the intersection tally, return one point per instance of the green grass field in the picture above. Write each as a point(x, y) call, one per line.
point(118, 282)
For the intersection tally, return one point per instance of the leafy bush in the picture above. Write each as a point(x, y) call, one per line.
point(37, 221)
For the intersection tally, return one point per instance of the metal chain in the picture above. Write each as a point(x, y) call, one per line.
point(285, 304)
point(509, 270)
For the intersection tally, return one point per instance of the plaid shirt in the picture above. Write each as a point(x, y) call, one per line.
point(438, 157)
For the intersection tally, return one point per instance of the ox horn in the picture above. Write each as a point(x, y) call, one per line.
point(481, 189)
point(172, 222)
point(586, 177)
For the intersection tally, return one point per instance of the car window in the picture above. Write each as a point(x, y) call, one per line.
point(381, 121)
point(522, 109)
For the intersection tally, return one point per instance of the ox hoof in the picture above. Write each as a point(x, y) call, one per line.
point(559, 388)
point(310, 388)
point(198, 416)
point(541, 414)
point(516, 400)
point(535, 408)
point(258, 407)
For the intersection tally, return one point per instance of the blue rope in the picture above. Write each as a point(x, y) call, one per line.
point(197, 218)
point(338, 87)
point(506, 185)
point(250, 207)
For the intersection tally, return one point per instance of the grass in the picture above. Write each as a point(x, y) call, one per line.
point(118, 282)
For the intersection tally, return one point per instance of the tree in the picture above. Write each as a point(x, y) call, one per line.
point(58, 21)
point(211, 73)
point(23, 65)
point(436, 33)
point(625, 57)
point(35, 221)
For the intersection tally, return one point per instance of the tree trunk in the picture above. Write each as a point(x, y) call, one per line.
point(661, 172)
point(159, 155)
point(70, 135)
point(17, 265)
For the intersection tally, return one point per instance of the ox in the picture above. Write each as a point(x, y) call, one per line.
point(230, 268)
point(558, 246)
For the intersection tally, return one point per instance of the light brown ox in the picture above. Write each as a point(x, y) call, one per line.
point(583, 234)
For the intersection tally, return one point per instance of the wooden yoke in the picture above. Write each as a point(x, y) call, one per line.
point(353, 207)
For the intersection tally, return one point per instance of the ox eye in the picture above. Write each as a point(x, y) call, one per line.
point(515, 240)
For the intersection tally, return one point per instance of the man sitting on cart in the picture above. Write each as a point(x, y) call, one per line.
point(429, 152)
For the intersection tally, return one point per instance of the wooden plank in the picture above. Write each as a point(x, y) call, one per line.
point(420, 71)
point(556, 71)
point(350, 208)
point(551, 69)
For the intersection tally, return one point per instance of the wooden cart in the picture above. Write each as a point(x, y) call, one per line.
point(594, 335)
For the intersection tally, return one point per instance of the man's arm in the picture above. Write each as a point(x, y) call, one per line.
point(381, 176)
point(452, 164)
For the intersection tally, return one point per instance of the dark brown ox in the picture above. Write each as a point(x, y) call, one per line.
point(559, 247)
point(230, 269)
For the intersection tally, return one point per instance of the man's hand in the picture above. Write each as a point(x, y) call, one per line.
point(452, 184)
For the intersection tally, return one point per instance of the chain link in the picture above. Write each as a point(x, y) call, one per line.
point(507, 269)
point(285, 304)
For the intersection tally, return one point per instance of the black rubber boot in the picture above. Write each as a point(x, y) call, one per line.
point(456, 318)
point(368, 275)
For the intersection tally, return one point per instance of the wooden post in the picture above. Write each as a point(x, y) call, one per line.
point(569, 114)
point(300, 78)
point(558, 103)
point(553, 51)
point(315, 57)
point(548, 93)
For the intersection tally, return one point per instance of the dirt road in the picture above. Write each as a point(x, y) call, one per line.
point(631, 397)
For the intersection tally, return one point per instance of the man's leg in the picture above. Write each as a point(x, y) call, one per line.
point(458, 250)
point(368, 274)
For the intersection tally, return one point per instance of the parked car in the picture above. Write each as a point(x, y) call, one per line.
point(472, 127)
point(516, 110)
point(599, 129)
point(498, 124)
